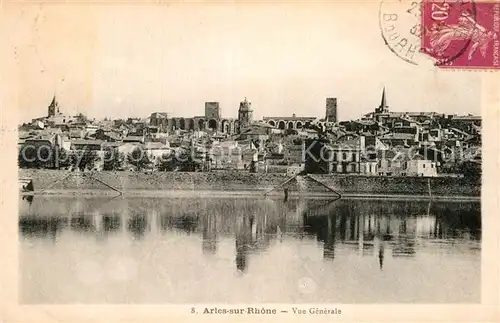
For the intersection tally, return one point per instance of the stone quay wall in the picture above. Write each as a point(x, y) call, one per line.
point(56, 180)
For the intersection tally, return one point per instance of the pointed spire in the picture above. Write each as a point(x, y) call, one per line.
point(383, 102)
point(52, 107)
point(53, 103)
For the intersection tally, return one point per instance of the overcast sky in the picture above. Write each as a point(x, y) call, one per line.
point(131, 60)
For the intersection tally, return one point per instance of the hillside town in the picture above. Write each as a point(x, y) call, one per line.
point(380, 143)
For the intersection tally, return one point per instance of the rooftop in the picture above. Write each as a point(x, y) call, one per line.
point(398, 136)
point(470, 117)
point(133, 139)
point(277, 119)
point(400, 155)
point(155, 145)
point(87, 142)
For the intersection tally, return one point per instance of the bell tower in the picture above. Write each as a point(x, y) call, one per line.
point(245, 114)
point(53, 108)
point(383, 107)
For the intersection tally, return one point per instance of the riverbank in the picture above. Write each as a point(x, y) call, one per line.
point(240, 183)
point(246, 194)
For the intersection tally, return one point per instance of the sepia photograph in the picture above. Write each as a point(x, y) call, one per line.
point(253, 153)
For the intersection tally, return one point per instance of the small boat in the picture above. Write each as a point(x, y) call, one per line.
point(25, 184)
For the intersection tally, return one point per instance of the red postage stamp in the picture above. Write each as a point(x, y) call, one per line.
point(461, 34)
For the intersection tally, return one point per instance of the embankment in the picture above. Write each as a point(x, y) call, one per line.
point(124, 181)
point(60, 181)
point(436, 186)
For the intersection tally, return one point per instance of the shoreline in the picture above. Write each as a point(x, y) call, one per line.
point(238, 184)
point(244, 194)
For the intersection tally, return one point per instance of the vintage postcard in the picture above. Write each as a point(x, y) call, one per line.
point(250, 161)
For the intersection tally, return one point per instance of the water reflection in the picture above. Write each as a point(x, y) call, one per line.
point(137, 225)
point(265, 238)
point(111, 223)
point(209, 234)
point(27, 198)
point(368, 227)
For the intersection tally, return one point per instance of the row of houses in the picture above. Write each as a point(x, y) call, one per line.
point(346, 157)
point(219, 154)
point(356, 157)
point(381, 143)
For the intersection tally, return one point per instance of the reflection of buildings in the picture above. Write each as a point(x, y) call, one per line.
point(251, 236)
point(35, 227)
point(112, 223)
point(209, 234)
point(381, 253)
point(370, 227)
point(244, 241)
point(379, 229)
point(329, 246)
point(137, 225)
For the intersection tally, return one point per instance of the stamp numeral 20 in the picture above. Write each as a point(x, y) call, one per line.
point(439, 12)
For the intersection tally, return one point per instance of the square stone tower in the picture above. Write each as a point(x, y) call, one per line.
point(331, 110)
point(212, 110)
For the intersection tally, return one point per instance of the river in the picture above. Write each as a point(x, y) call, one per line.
point(104, 250)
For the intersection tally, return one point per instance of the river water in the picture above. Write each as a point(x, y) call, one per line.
point(227, 250)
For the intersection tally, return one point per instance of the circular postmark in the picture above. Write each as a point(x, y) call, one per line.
point(400, 28)
point(409, 27)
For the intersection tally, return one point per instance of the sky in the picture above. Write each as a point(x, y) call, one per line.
point(130, 60)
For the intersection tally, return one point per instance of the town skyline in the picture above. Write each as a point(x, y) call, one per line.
point(257, 115)
point(145, 59)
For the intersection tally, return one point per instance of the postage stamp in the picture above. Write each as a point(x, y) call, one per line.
point(461, 34)
point(451, 33)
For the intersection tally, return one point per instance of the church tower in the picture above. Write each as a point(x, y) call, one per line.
point(53, 108)
point(245, 114)
point(383, 107)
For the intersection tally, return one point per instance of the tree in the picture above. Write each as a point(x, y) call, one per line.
point(138, 158)
point(113, 159)
point(182, 161)
point(167, 163)
point(25, 158)
point(186, 162)
point(471, 169)
point(83, 159)
point(81, 118)
point(63, 158)
point(36, 157)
